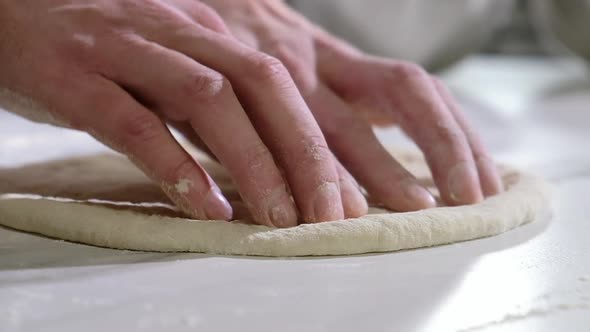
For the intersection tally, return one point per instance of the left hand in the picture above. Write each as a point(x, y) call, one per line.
point(348, 91)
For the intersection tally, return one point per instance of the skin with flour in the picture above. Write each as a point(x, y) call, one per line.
point(267, 92)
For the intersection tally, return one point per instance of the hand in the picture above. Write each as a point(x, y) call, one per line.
point(348, 90)
point(122, 69)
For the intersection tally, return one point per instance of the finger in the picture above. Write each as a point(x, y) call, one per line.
point(201, 14)
point(279, 114)
point(189, 133)
point(298, 58)
point(429, 122)
point(301, 65)
point(355, 144)
point(489, 176)
point(406, 92)
point(186, 91)
point(353, 201)
point(118, 120)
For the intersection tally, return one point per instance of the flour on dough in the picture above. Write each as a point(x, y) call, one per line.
point(105, 201)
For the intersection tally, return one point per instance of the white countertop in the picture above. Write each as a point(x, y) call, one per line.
point(534, 113)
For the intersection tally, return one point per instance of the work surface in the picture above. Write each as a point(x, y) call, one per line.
point(533, 113)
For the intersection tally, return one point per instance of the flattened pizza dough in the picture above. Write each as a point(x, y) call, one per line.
point(105, 201)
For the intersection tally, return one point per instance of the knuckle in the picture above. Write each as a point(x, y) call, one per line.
point(283, 53)
point(407, 72)
point(313, 157)
point(257, 156)
point(304, 78)
point(447, 140)
point(281, 49)
point(266, 68)
point(447, 134)
point(480, 153)
point(298, 60)
point(138, 128)
point(210, 18)
point(206, 88)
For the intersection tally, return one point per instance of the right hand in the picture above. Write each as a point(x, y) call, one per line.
point(121, 69)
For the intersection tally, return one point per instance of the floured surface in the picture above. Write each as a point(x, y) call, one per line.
point(103, 200)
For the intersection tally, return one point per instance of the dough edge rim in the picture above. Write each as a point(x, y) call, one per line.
point(527, 198)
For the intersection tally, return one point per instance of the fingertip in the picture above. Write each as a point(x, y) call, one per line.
point(182, 202)
point(283, 215)
point(327, 203)
point(407, 195)
point(491, 181)
point(186, 196)
point(493, 187)
point(419, 198)
point(216, 206)
point(353, 202)
point(463, 185)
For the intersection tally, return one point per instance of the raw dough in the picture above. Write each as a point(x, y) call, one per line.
point(105, 201)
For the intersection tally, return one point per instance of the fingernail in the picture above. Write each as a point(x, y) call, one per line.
point(490, 181)
point(283, 215)
point(419, 196)
point(461, 186)
point(216, 206)
point(327, 204)
point(354, 203)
